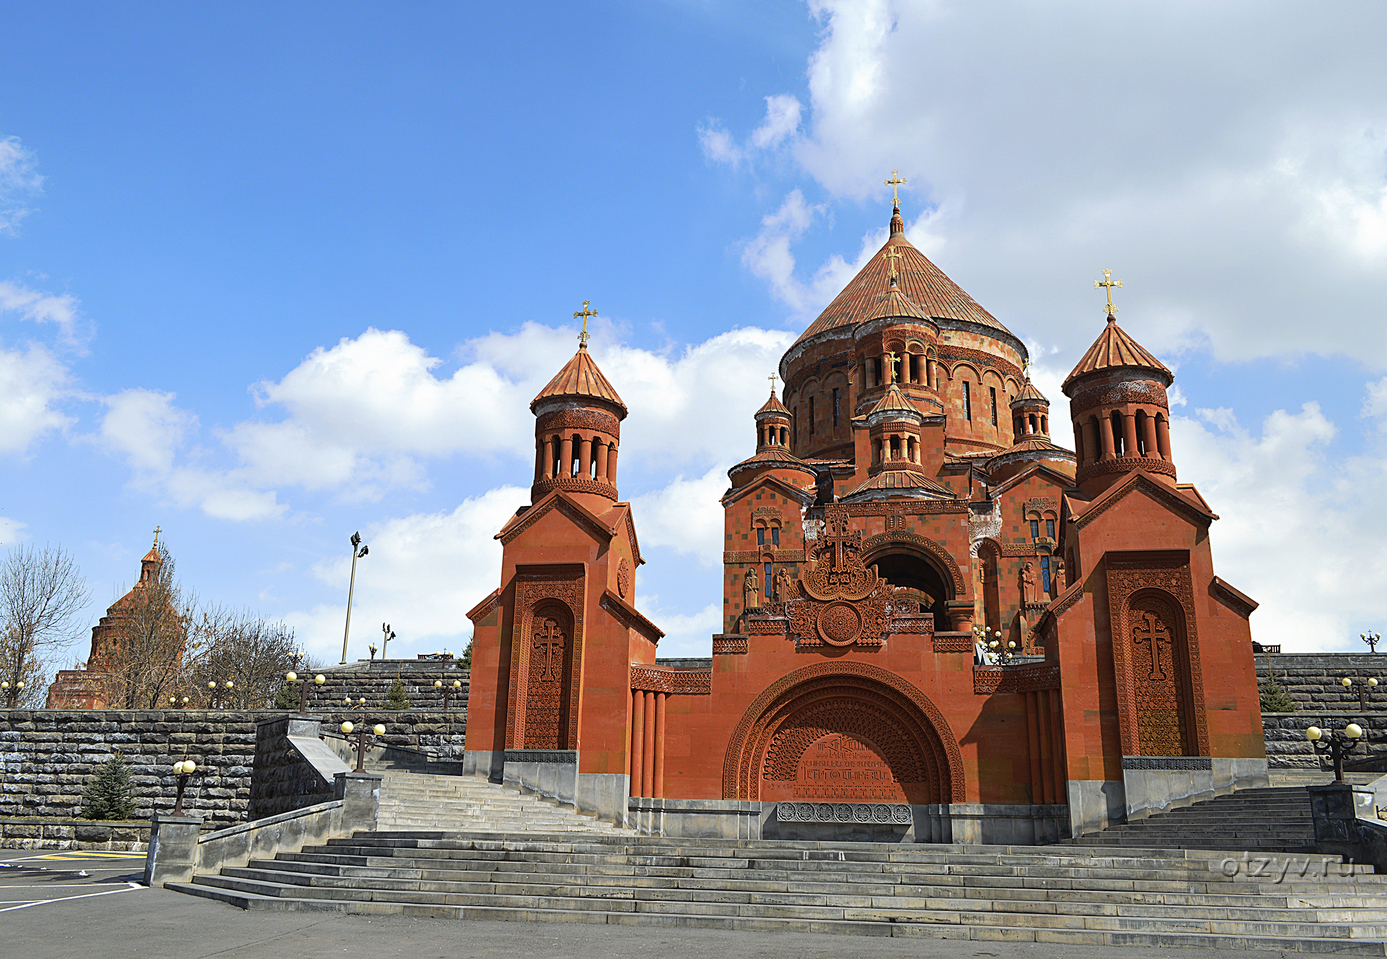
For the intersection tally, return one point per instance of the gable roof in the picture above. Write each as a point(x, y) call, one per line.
point(1141, 481)
point(803, 496)
point(602, 528)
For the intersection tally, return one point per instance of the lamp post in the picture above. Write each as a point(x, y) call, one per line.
point(1372, 639)
point(454, 689)
point(385, 643)
point(359, 549)
point(347, 730)
point(182, 769)
point(12, 694)
point(1363, 690)
point(1336, 745)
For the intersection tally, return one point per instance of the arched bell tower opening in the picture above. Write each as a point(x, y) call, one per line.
point(904, 566)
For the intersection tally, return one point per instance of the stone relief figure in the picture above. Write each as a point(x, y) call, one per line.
point(1030, 592)
point(1061, 580)
point(751, 591)
point(784, 586)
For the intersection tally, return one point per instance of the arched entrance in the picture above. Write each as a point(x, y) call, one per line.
point(843, 732)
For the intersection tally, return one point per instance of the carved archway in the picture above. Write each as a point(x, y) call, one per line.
point(901, 541)
point(857, 700)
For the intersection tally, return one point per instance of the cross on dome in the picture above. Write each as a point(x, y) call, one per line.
point(1108, 282)
point(772, 378)
point(157, 531)
point(895, 181)
point(891, 256)
point(584, 336)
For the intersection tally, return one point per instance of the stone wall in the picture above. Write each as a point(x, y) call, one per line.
point(48, 756)
point(1313, 679)
point(1288, 747)
point(372, 680)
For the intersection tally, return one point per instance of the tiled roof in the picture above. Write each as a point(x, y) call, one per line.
point(901, 479)
point(894, 401)
point(922, 284)
point(773, 405)
point(1029, 392)
point(774, 457)
point(890, 304)
point(580, 377)
point(1034, 443)
point(1113, 349)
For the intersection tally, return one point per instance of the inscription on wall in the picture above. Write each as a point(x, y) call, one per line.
point(838, 767)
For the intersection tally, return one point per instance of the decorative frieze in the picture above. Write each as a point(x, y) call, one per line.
point(883, 814)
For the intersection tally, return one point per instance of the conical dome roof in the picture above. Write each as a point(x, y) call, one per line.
point(580, 378)
point(773, 405)
point(892, 303)
point(923, 284)
point(1030, 393)
point(894, 401)
point(1114, 349)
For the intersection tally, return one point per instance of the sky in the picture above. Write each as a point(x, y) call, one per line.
point(271, 274)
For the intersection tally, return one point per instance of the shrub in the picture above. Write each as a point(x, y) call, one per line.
point(396, 698)
point(111, 795)
point(1274, 698)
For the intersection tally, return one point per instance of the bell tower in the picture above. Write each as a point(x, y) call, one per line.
point(577, 431)
point(1117, 400)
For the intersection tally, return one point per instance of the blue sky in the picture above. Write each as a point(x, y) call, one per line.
point(271, 275)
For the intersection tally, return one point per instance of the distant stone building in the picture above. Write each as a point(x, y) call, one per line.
point(927, 601)
point(84, 688)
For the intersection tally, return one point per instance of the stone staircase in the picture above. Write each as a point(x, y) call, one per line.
point(1252, 820)
point(419, 800)
point(1090, 895)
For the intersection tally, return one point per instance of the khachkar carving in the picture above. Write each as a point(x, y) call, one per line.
point(546, 655)
point(839, 601)
point(1156, 656)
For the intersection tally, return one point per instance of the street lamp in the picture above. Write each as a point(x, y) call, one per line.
point(359, 549)
point(454, 689)
point(1372, 639)
point(385, 643)
point(182, 770)
point(12, 695)
point(348, 728)
point(1336, 745)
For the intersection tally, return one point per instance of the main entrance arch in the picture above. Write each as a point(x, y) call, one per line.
point(916, 562)
point(849, 728)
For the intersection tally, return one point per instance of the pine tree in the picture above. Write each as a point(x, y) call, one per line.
point(111, 795)
point(1274, 697)
point(466, 660)
point(396, 698)
point(285, 698)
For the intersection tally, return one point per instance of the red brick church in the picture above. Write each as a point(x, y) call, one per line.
point(938, 622)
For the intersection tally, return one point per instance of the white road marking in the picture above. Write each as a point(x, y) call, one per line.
point(42, 902)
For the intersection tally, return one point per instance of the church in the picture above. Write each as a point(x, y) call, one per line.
point(939, 623)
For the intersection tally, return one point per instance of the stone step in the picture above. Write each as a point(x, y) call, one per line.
point(997, 930)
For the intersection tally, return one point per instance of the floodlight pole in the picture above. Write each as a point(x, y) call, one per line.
point(351, 588)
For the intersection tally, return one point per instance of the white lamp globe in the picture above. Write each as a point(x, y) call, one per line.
point(1313, 733)
point(1353, 731)
point(347, 728)
point(379, 730)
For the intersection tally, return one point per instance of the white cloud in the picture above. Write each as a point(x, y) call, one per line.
point(11, 530)
point(31, 383)
point(422, 574)
point(781, 124)
point(685, 516)
point(20, 182)
point(59, 309)
point(1232, 169)
point(1295, 533)
point(685, 634)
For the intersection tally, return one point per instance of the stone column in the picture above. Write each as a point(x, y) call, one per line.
point(1148, 436)
point(360, 793)
point(1163, 439)
point(637, 749)
point(659, 791)
point(611, 464)
point(599, 453)
point(648, 759)
point(566, 457)
point(172, 853)
point(1091, 453)
point(1129, 434)
point(539, 459)
point(585, 457)
point(1105, 429)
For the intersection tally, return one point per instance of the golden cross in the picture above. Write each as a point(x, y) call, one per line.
point(584, 313)
point(772, 378)
point(895, 181)
point(157, 531)
point(891, 363)
point(891, 256)
point(1109, 282)
point(1026, 367)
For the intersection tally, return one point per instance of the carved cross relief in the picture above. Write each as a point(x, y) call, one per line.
point(1149, 630)
point(549, 640)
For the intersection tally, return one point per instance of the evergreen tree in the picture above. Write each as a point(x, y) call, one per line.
point(111, 795)
point(285, 697)
point(466, 660)
point(396, 698)
point(1274, 697)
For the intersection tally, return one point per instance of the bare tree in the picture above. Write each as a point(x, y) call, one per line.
point(239, 647)
point(41, 593)
point(144, 661)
